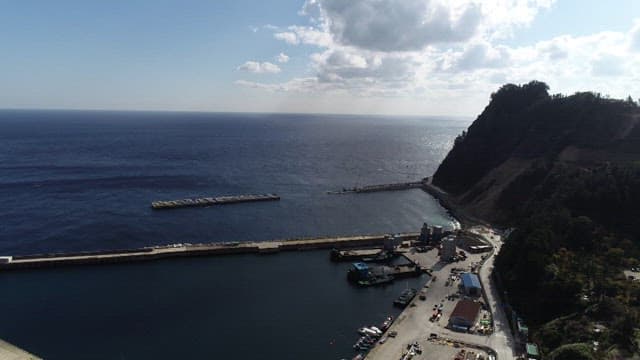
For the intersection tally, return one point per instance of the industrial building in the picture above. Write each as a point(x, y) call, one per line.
point(464, 315)
point(448, 250)
point(471, 284)
point(391, 242)
point(436, 233)
point(425, 233)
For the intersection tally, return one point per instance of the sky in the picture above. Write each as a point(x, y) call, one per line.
point(400, 57)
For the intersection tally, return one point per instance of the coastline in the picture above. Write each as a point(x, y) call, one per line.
point(412, 325)
point(445, 200)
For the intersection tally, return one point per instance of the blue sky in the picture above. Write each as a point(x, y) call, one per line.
point(342, 56)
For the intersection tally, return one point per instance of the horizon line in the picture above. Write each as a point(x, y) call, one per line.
point(452, 117)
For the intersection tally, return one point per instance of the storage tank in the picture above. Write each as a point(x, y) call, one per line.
point(448, 250)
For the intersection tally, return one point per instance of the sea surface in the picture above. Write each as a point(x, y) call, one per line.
point(84, 180)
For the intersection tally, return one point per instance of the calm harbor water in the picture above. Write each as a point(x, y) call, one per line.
point(84, 180)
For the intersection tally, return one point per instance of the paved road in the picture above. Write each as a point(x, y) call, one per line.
point(501, 341)
point(414, 325)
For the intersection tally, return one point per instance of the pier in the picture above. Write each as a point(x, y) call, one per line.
point(189, 250)
point(380, 187)
point(209, 201)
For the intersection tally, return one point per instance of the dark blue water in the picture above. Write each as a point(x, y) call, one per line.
point(84, 181)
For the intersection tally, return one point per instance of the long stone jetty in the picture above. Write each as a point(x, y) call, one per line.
point(209, 201)
point(380, 187)
point(187, 250)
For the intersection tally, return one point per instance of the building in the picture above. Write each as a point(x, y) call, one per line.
point(359, 271)
point(425, 233)
point(391, 242)
point(448, 250)
point(532, 351)
point(464, 315)
point(523, 329)
point(471, 284)
point(436, 233)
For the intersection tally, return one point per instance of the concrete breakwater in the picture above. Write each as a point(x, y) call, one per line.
point(380, 187)
point(208, 201)
point(187, 250)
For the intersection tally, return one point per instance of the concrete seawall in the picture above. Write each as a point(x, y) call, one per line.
point(188, 250)
point(445, 200)
point(12, 352)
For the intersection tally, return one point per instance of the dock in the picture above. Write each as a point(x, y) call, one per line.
point(380, 187)
point(209, 201)
point(190, 250)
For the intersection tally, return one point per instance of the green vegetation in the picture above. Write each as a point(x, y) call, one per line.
point(572, 352)
point(573, 198)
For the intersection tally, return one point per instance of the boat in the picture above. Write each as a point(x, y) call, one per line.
point(376, 280)
point(368, 331)
point(382, 256)
point(405, 298)
point(386, 324)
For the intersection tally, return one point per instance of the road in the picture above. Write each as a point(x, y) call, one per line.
point(501, 341)
point(414, 325)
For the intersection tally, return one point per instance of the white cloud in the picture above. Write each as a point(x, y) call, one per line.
point(397, 25)
point(480, 55)
point(282, 58)
point(448, 49)
point(259, 67)
point(411, 25)
point(634, 36)
point(288, 37)
point(607, 65)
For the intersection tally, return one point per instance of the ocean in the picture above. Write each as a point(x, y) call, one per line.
point(84, 180)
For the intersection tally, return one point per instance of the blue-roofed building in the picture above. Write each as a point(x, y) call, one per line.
point(358, 271)
point(471, 284)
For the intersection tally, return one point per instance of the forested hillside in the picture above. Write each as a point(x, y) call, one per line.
point(565, 172)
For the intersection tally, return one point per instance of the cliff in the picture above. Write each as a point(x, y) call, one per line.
point(564, 171)
point(524, 135)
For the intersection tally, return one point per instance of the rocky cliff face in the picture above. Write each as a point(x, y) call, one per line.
point(524, 135)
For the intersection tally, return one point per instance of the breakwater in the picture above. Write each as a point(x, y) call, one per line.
point(380, 187)
point(187, 250)
point(209, 201)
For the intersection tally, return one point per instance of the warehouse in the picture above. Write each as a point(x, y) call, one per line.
point(464, 315)
point(471, 284)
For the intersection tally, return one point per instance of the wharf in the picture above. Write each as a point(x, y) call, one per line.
point(380, 187)
point(188, 250)
point(406, 270)
point(209, 201)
